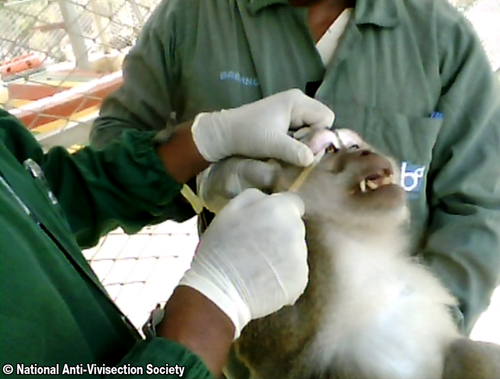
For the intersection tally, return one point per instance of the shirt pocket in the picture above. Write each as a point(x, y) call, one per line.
point(405, 138)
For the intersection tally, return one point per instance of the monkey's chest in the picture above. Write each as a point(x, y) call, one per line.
point(354, 320)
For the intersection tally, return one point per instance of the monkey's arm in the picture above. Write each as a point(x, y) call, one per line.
point(462, 245)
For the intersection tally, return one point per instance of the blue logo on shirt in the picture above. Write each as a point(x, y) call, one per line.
point(412, 177)
point(236, 77)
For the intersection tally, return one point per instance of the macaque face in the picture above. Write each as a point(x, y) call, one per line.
point(352, 183)
point(362, 179)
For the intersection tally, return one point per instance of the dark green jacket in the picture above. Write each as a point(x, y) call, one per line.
point(410, 75)
point(53, 310)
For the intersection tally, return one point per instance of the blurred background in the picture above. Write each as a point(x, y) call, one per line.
point(60, 58)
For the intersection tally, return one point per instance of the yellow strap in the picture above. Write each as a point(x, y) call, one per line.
point(304, 175)
point(301, 179)
point(193, 199)
point(198, 205)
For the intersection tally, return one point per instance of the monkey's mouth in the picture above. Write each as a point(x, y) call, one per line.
point(374, 181)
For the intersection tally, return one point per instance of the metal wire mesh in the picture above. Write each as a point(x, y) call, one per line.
point(60, 58)
point(141, 271)
point(40, 25)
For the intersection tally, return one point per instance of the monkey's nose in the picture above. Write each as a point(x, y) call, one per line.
point(365, 152)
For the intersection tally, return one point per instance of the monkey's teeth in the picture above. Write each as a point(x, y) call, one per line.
point(362, 185)
point(371, 185)
point(388, 180)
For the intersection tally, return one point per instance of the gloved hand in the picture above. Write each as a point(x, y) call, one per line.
point(226, 179)
point(259, 129)
point(252, 260)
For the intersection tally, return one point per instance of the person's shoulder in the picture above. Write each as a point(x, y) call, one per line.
point(170, 14)
point(440, 15)
point(431, 9)
point(448, 16)
point(192, 5)
point(185, 10)
point(441, 11)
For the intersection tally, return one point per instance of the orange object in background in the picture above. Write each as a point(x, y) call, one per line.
point(68, 102)
point(20, 64)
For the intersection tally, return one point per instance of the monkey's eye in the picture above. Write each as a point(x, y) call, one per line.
point(331, 149)
point(354, 147)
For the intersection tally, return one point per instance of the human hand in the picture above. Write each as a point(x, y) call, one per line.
point(252, 260)
point(226, 179)
point(259, 129)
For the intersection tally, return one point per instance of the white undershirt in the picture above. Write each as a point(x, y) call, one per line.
point(329, 41)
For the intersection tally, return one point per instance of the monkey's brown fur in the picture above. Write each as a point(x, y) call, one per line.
point(466, 359)
point(370, 311)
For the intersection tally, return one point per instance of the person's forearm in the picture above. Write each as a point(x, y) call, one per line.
point(180, 155)
point(197, 323)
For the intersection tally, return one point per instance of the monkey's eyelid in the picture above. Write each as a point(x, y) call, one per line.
point(331, 148)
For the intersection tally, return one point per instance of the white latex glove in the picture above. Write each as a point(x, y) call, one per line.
point(259, 129)
point(252, 259)
point(226, 179)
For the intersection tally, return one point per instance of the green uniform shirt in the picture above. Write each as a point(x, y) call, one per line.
point(53, 310)
point(410, 76)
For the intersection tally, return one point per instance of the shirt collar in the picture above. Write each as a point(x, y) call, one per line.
point(384, 13)
point(254, 6)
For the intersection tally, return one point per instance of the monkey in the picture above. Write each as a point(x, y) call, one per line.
point(370, 310)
